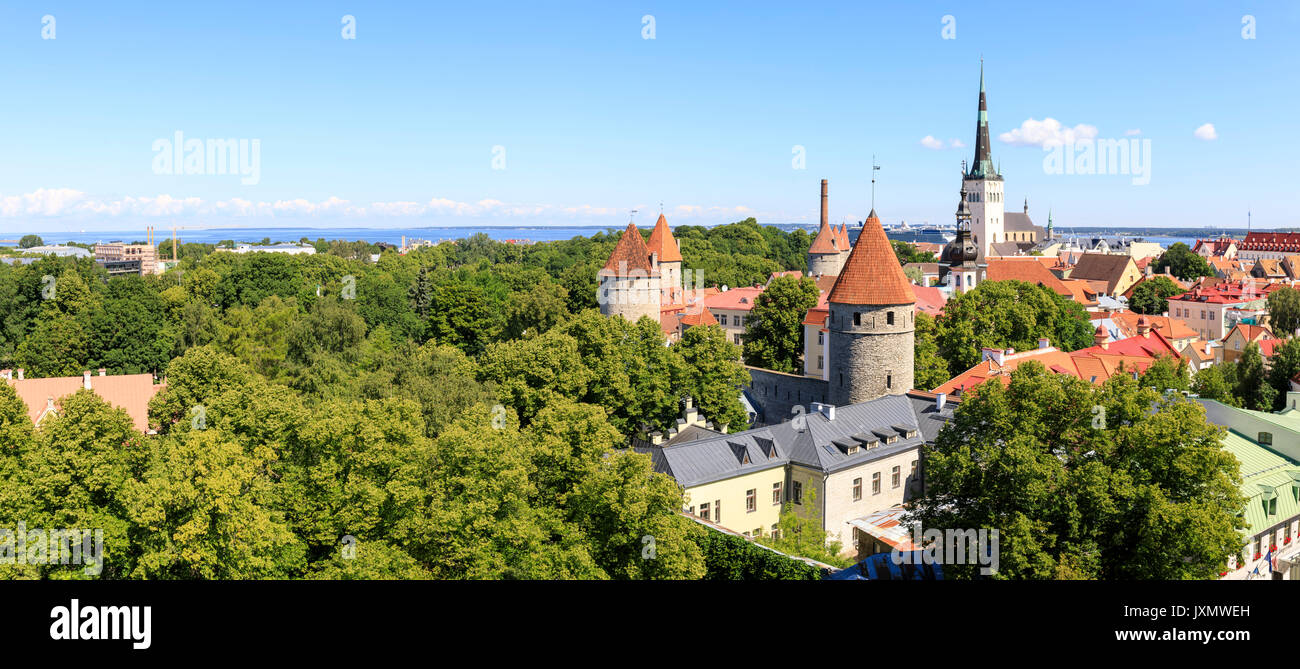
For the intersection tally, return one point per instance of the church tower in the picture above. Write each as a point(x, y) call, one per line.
point(957, 265)
point(872, 322)
point(629, 284)
point(983, 186)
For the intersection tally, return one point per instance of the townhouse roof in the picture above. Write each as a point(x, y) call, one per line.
point(735, 299)
point(130, 392)
point(1102, 267)
point(1030, 270)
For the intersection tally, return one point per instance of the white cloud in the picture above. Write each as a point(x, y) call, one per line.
point(1206, 132)
point(1047, 133)
point(930, 142)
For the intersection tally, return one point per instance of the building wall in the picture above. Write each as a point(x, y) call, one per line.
point(1206, 319)
point(826, 263)
point(670, 275)
point(873, 358)
point(630, 297)
point(779, 393)
point(732, 493)
point(814, 351)
point(734, 324)
point(841, 507)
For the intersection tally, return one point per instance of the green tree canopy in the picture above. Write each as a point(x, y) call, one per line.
point(1284, 311)
point(1008, 314)
point(1152, 297)
point(774, 327)
point(1180, 261)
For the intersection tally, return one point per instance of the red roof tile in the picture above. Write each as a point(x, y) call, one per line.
point(663, 243)
point(872, 275)
point(827, 241)
point(629, 254)
point(131, 392)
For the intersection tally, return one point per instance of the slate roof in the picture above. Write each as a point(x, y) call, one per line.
point(706, 460)
point(872, 275)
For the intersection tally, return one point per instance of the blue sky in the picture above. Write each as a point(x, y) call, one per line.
point(398, 126)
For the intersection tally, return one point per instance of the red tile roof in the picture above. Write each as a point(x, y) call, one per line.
point(929, 299)
point(872, 275)
point(827, 241)
point(663, 243)
point(130, 392)
point(1094, 364)
point(1028, 269)
point(736, 299)
point(629, 254)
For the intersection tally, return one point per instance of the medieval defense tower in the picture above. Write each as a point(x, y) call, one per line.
point(630, 281)
point(872, 322)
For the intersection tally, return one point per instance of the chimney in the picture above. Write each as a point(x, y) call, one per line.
point(85, 380)
point(1099, 336)
point(825, 212)
point(940, 399)
point(20, 373)
point(827, 410)
point(994, 353)
point(1043, 342)
point(1143, 327)
point(103, 372)
point(6, 374)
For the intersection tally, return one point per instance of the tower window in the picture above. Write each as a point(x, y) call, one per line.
point(889, 380)
point(889, 318)
point(857, 318)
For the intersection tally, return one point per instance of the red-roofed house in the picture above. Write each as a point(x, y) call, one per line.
point(44, 397)
point(1243, 334)
point(731, 308)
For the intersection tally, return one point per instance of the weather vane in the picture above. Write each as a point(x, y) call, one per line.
point(874, 168)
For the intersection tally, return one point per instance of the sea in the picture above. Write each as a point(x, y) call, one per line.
point(517, 234)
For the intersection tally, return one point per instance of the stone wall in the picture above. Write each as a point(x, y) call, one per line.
point(826, 263)
point(871, 358)
point(778, 393)
point(630, 297)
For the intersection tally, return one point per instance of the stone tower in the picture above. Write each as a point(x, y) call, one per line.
point(872, 322)
point(983, 186)
point(667, 256)
point(628, 284)
point(830, 248)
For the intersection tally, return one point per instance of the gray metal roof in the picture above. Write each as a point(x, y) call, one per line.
point(727, 456)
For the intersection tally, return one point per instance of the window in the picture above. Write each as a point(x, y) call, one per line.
point(819, 362)
point(896, 475)
point(875, 483)
point(776, 531)
point(857, 318)
point(889, 318)
point(857, 489)
point(758, 532)
point(737, 338)
point(740, 320)
point(751, 500)
point(796, 492)
point(913, 472)
point(722, 319)
point(889, 380)
point(776, 492)
point(1265, 438)
point(704, 510)
point(717, 511)
point(821, 338)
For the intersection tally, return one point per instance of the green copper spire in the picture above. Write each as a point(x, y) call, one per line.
point(982, 167)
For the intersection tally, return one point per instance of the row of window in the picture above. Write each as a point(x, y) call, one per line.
point(895, 481)
point(738, 321)
point(1183, 312)
point(974, 196)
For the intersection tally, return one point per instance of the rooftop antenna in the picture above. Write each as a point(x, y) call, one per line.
point(874, 168)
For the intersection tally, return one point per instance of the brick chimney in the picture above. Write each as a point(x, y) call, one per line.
point(85, 380)
point(1044, 342)
point(1143, 327)
point(825, 212)
point(1099, 336)
point(103, 372)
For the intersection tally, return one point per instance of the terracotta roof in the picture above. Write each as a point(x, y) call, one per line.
point(872, 275)
point(736, 299)
point(130, 392)
point(1216, 247)
point(1094, 364)
point(1199, 349)
point(1271, 241)
point(1250, 332)
point(1030, 270)
point(1269, 346)
point(703, 317)
point(629, 254)
point(844, 236)
point(929, 299)
point(663, 243)
point(827, 241)
point(1126, 323)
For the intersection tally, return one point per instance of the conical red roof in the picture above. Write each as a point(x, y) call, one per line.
point(629, 254)
point(663, 243)
point(826, 241)
point(872, 275)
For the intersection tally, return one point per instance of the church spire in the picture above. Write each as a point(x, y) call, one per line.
point(982, 168)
